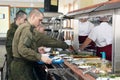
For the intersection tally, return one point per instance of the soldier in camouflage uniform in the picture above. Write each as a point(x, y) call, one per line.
point(20, 18)
point(25, 44)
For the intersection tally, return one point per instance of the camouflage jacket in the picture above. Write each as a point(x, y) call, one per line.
point(10, 35)
point(27, 40)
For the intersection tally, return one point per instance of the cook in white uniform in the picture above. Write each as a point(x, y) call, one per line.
point(85, 28)
point(102, 36)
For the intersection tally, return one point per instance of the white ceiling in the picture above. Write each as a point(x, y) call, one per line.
point(21, 0)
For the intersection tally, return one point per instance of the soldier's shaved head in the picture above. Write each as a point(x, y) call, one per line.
point(35, 12)
point(21, 17)
point(35, 17)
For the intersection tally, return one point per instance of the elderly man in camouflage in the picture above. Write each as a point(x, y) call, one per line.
point(20, 18)
point(26, 42)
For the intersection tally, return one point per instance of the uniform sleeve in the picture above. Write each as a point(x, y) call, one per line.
point(10, 35)
point(24, 47)
point(91, 26)
point(93, 35)
point(47, 41)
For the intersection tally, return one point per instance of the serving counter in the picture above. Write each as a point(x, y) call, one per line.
point(86, 67)
point(79, 72)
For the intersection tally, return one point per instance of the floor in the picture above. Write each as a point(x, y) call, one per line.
point(2, 56)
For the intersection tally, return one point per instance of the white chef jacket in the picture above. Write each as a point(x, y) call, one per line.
point(102, 34)
point(85, 28)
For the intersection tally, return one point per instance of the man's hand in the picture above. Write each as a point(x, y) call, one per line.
point(46, 59)
point(41, 50)
point(71, 49)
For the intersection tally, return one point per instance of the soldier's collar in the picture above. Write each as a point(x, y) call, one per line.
point(15, 26)
point(30, 23)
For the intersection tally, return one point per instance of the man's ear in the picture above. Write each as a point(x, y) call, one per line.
point(32, 16)
point(18, 18)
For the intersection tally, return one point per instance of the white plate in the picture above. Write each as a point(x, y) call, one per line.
point(78, 63)
point(67, 57)
point(75, 59)
point(70, 59)
point(84, 67)
point(62, 55)
point(102, 78)
point(59, 49)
